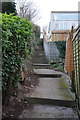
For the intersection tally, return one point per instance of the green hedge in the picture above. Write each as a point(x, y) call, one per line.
point(16, 46)
point(61, 45)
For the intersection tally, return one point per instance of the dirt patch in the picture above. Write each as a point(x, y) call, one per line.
point(16, 104)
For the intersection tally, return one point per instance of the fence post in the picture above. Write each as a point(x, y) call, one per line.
point(73, 82)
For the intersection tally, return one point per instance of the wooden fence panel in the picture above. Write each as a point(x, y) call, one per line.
point(73, 62)
point(69, 54)
point(76, 54)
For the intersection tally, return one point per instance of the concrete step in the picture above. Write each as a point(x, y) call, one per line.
point(52, 88)
point(34, 64)
point(42, 66)
point(49, 111)
point(47, 73)
point(54, 102)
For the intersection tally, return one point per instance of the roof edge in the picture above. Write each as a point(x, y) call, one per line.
point(65, 11)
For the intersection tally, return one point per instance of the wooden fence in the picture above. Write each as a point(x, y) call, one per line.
point(59, 35)
point(76, 56)
point(73, 62)
point(69, 54)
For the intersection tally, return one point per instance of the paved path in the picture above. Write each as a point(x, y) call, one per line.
point(53, 89)
point(49, 111)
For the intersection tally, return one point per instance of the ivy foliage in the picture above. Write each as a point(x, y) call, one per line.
point(61, 45)
point(16, 46)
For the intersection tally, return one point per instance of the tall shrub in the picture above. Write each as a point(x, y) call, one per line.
point(16, 35)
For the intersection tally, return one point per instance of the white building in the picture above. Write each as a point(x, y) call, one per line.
point(63, 20)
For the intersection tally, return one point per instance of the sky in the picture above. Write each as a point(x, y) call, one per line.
point(46, 6)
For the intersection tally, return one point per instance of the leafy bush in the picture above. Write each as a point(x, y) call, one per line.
point(58, 66)
point(61, 45)
point(16, 46)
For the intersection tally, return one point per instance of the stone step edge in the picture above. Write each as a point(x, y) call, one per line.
point(34, 64)
point(55, 102)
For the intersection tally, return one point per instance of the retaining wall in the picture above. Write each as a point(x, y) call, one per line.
point(51, 51)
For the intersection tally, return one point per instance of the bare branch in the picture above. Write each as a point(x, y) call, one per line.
point(28, 10)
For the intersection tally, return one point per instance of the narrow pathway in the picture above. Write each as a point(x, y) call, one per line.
point(51, 98)
point(52, 85)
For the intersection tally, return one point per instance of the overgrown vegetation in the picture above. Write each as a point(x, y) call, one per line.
point(16, 46)
point(58, 66)
point(36, 31)
point(61, 46)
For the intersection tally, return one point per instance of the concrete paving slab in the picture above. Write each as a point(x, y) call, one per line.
point(52, 88)
point(48, 111)
point(46, 71)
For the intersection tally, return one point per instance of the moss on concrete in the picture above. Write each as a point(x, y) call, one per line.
point(63, 84)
